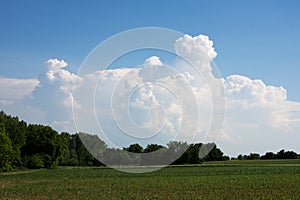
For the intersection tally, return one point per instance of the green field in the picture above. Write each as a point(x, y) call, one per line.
point(276, 179)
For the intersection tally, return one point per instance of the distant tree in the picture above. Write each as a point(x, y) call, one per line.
point(154, 154)
point(134, 148)
point(193, 154)
point(6, 150)
point(254, 156)
point(280, 154)
point(152, 147)
point(85, 158)
point(119, 157)
point(112, 156)
point(82, 150)
point(268, 156)
point(94, 148)
point(214, 155)
point(225, 158)
point(240, 157)
point(290, 155)
point(176, 150)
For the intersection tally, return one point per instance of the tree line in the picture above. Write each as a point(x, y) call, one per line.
point(282, 154)
point(40, 146)
point(25, 145)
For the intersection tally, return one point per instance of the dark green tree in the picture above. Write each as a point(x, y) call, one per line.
point(152, 147)
point(83, 155)
point(16, 130)
point(67, 159)
point(176, 150)
point(268, 156)
point(280, 154)
point(215, 154)
point(119, 157)
point(93, 149)
point(6, 150)
point(43, 148)
point(134, 148)
point(193, 154)
point(240, 157)
point(154, 154)
point(290, 155)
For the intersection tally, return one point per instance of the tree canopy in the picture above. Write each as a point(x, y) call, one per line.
point(40, 146)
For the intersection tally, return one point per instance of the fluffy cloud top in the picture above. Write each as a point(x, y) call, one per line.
point(198, 49)
point(251, 93)
point(56, 71)
point(151, 98)
point(266, 105)
point(154, 60)
point(55, 64)
point(257, 113)
point(155, 101)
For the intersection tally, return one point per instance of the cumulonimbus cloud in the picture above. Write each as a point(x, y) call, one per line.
point(254, 109)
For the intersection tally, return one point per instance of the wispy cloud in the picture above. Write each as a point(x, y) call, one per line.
point(13, 90)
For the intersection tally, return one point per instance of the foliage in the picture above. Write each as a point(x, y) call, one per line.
point(6, 150)
point(152, 148)
point(134, 148)
point(253, 179)
point(76, 153)
point(282, 154)
point(16, 130)
point(43, 147)
point(215, 154)
point(39, 146)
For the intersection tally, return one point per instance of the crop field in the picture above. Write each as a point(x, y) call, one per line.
point(216, 180)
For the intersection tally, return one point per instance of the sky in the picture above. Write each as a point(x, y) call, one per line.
point(257, 45)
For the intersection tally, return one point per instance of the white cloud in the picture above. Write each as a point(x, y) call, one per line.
point(259, 117)
point(43, 100)
point(55, 64)
point(54, 67)
point(253, 92)
point(199, 50)
point(16, 89)
point(266, 105)
point(153, 60)
point(15, 93)
point(149, 100)
point(152, 97)
point(56, 72)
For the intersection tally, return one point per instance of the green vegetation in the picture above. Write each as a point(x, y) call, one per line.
point(258, 179)
point(282, 154)
point(37, 146)
point(6, 150)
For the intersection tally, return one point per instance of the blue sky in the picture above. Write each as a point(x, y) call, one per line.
point(256, 39)
point(259, 39)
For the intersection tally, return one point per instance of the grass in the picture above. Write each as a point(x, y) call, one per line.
point(215, 180)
